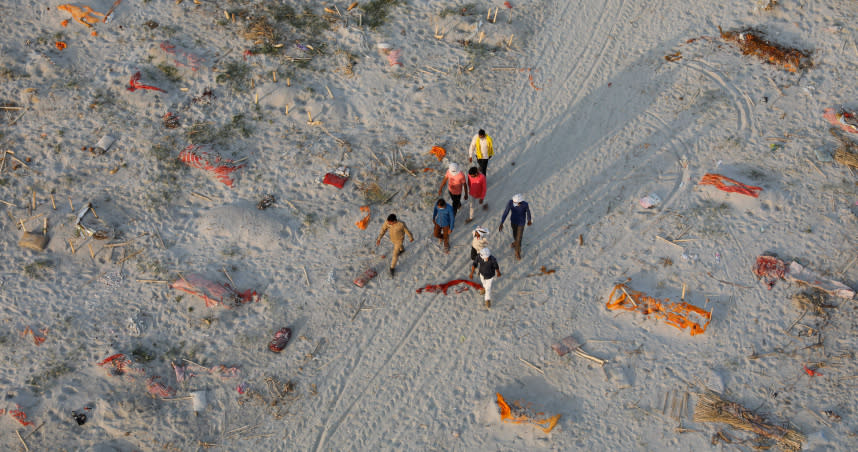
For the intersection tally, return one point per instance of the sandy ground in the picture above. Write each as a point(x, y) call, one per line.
point(588, 116)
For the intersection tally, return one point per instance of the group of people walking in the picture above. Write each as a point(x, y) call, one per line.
point(473, 187)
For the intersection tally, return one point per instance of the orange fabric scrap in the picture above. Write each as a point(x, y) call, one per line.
point(362, 224)
point(735, 187)
point(38, 340)
point(674, 314)
point(521, 415)
point(812, 372)
point(438, 152)
point(83, 14)
point(60, 45)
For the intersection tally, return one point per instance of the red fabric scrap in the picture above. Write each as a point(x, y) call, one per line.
point(134, 84)
point(770, 268)
point(335, 180)
point(435, 288)
point(734, 187)
point(221, 168)
point(812, 373)
point(19, 414)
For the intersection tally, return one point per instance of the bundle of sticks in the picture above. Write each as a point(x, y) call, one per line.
point(711, 407)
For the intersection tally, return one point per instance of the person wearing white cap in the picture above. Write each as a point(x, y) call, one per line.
point(483, 148)
point(479, 242)
point(520, 215)
point(488, 266)
point(455, 181)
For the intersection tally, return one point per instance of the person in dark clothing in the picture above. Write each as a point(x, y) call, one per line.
point(520, 216)
point(488, 267)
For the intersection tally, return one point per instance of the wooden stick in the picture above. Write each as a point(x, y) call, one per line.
point(159, 238)
point(153, 281)
point(668, 241)
point(306, 278)
point(200, 196)
point(11, 108)
point(129, 257)
point(509, 43)
point(357, 311)
point(503, 68)
point(34, 430)
point(110, 11)
point(22, 440)
point(531, 365)
point(24, 164)
point(72, 246)
point(33, 203)
point(91, 254)
point(584, 355)
point(329, 92)
point(92, 209)
point(229, 278)
point(495, 17)
point(53, 204)
point(127, 242)
point(7, 203)
point(683, 292)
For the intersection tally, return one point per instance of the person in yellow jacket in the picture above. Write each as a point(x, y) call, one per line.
point(398, 230)
point(482, 148)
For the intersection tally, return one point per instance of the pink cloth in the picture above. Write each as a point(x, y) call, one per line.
point(455, 182)
point(478, 186)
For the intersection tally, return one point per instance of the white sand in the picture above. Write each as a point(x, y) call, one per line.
point(610, 122)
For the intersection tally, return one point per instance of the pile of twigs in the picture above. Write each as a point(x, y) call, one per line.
point(711, 407)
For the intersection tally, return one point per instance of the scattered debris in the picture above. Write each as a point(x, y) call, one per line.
point(523, 414)
point(569, 344)
point(813, 301)
point(198, 401)
point(20, 415)
point(199, 157)
point(171, 120)
point(772, 269)
point(842, 118)
point(364, 278)
point(158, 389)
point(281, 338)
point(674, 314)
point(104, 144)
point(81, 416)
point(266, 202)
point(87, 228)
point(751, 43)
point(734, 187)
point(38, 340)
point(712, 407)
point(435, 288)
point(812, 372)
point(33, 241)
point(673, 57)
point(214, 293)
point(542, 272)
point(650, 201)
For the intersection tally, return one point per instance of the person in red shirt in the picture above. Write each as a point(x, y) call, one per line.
point(477, 190)
point(455, 181)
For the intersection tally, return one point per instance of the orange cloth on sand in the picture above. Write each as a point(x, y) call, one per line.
point(438, 152)
point(362, 224)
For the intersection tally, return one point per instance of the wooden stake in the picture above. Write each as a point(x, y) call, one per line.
point(482, 35)
point(33, 203)
point(91, 253)
point(92, 209)
point(527, 363)
point(683, 292)
point(53, 204)
point(274, 76)
point(45, 226)
point(129, 257)
point(256, 99)
point(489, 14)
point(306, 278)
point(287, 109)
point(229, 278)
point(495, 17)
point(288, 81)
point(23, 228)
point(329, 91)
point(70, 204)
point(27, 449)
point(72, 246)
point(509, 43)
point(309, 117)
point(7, 203)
